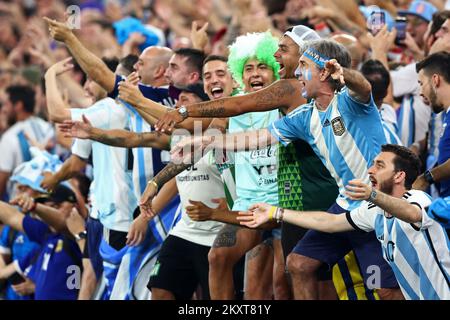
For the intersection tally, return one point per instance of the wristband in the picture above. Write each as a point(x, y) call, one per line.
point(373, 195)
point(429, 177)
point(279, 214)
point(271, 211)
point(154, 183)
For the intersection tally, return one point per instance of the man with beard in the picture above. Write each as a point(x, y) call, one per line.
point(434, 81)
point(413, 243)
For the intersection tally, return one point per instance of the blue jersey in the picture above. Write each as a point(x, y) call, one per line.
point(18, 246)
point(54, 264)
point(418, 253)
point(347, 136)
point(444, 154)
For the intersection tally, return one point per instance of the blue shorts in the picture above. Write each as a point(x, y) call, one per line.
point(92, 248)
point(330, 248)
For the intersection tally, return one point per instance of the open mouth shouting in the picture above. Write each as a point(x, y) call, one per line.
point(257, 85)
point(217, 92)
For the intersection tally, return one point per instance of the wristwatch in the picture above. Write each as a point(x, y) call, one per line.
point(183, 112)
point(373, 195)
point(428, 177)
point(81, 235)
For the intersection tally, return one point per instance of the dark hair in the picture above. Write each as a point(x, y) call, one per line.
point(405, 160)
point(438, 63)
point(194, 58)
point(332, 50)
point(378, 76)
point(128, 62)
point(213, 57)
point(111, 63)
point(438, 20)
point(24, 94)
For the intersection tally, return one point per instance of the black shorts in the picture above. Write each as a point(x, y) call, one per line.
point(181, 266)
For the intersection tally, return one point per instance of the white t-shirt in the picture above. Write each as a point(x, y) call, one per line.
point(418, 254)
point(112, 192)
point(201, 182)
point(14, 147)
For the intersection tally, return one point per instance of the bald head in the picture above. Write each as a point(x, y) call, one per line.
point(152, 65)
point(357, 52)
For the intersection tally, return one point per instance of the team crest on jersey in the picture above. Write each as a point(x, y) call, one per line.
point(59, 246)
point(155, 270)
point(338, 126)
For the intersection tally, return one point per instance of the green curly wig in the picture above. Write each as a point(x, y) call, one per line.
point(261, 45)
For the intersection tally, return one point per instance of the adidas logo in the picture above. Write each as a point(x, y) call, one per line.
point(326, 123)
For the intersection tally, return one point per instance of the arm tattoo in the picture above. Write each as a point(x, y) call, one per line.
point(169, 171)
point(211, 109)
point(111, 140)
point(226, 236)
point(272, 97)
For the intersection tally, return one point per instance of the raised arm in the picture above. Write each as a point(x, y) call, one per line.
point(115, 137)
point(151, 111)
point(399, 208)
point(359, 87)
point(92, 65)
point(282, 94)
point(58, 109)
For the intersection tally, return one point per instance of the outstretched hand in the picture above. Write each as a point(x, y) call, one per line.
point(59, 31)
point(256, 215)
point(76, 129)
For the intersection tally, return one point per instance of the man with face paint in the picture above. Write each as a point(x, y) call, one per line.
point(434, 81)
point(343, 126)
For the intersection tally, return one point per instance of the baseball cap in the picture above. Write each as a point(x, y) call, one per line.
point(60, 194)
point(197, 89)
point(301, 34)
point(421, 9)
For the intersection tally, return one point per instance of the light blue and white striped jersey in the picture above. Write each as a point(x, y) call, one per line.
point(14, 146)
point(347, 136)
point(112, 191)
point(413, 115)
point(147, 162)
point(391, 136)
point(418, 254)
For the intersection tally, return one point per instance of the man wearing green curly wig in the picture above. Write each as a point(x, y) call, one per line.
point(253, 66)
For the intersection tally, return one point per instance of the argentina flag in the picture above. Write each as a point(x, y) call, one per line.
point(134, 270)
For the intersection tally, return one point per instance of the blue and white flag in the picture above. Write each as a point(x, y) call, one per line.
point(138, 261)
